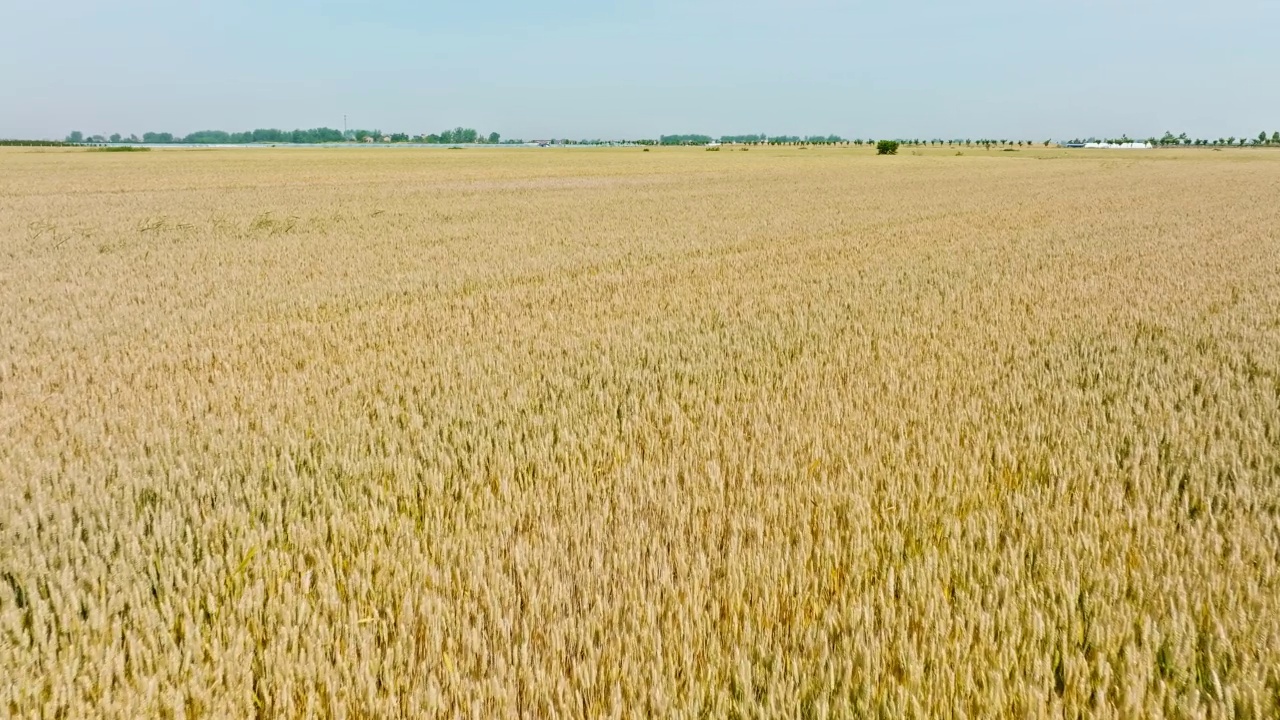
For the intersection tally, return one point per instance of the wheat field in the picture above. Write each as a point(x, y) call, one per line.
point(604, 433)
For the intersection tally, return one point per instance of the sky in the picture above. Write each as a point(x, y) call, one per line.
point(1016, 69)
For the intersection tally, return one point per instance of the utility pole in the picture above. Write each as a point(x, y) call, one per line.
point(344, 127)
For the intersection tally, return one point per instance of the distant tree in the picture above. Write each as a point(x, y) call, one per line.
point(1262, 138)
point(1275, 138)
point(208, 137)
point(271, 135)
point(1231, 140)
point(115, 137)
point(75, 137)
point(887, 147)
point(495, 138)
point(459, 135)
point(686, 139)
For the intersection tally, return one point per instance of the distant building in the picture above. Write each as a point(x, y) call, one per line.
point(1111, 146)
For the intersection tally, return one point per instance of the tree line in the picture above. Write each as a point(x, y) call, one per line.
point(302, 137)
point(35, 143)
point(1171, 140)
point(831, 140)
point(758, 139)
point(461, 135)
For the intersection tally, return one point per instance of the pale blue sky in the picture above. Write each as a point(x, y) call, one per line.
point(1023, 69)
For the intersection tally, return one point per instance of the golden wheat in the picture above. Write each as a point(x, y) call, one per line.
point(513, 433)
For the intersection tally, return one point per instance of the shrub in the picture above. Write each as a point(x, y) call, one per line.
point(887, 147)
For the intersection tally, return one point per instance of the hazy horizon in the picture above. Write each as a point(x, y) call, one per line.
point(631, 70)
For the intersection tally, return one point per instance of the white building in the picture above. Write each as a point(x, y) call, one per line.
point(1120, 146)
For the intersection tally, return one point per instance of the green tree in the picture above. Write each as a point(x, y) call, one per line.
point(887, 147)
point(689, 139)
point(1275, 138)
point(495, 138)
point(459, 135)
point(1262, 138)
point(115, 137)
point(75, 137)
point(210, 137)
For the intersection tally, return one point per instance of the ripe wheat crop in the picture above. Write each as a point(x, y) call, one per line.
point(584, 434)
